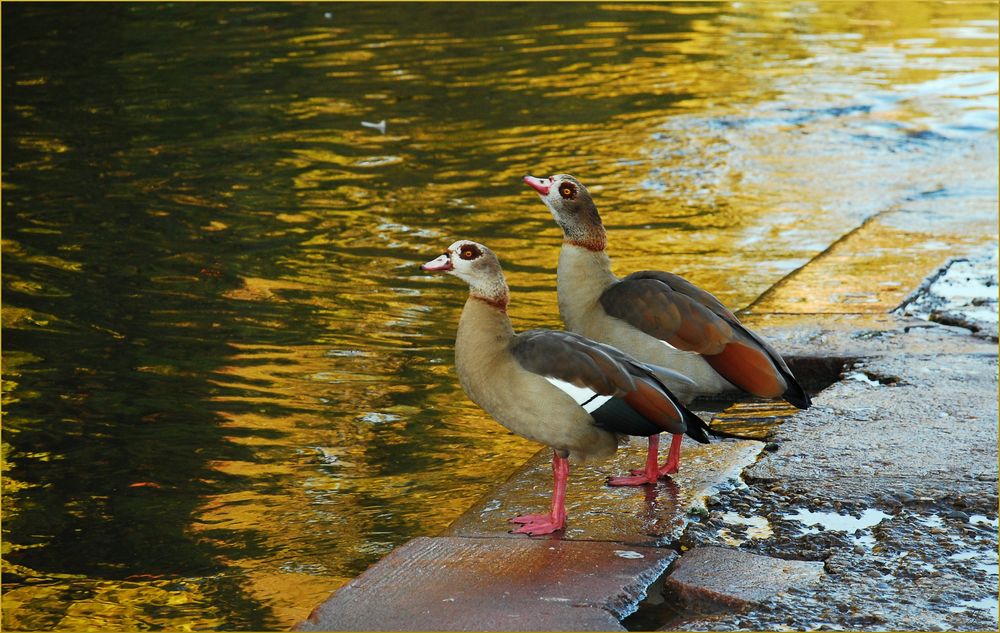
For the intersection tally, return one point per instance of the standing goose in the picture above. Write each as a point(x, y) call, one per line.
point(558, 388)
point(657, 317)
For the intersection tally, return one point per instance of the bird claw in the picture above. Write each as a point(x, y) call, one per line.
point(662, 473)
point(530, 518)
point(641, 480)
point(536, 524)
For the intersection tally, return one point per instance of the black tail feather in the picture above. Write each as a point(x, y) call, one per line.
point(795, 395)
point(697, 429)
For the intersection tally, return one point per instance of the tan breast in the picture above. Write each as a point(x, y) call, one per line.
point(523, 402)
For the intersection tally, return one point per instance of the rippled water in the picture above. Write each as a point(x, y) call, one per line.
point(228, 388)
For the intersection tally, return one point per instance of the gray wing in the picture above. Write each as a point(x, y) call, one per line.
point(674, 310)
point(575, 359)
point(683, 288)
point(639, 403)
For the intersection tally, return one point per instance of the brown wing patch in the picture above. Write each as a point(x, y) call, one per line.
point(749, 369)
point(674, 310)
point(655, 406)
point(653, 307)
point(702, 331)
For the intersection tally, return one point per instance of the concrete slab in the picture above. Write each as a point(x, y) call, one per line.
point(844, 336)
point(869, 434)
point(963, 292)
point(648, 515)
point(712, 579)
point(890, 480)
point(470, 584)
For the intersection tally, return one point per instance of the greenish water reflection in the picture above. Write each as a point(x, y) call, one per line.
point(228, 389)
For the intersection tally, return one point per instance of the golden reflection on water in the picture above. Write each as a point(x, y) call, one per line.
point(344, 402)
point(729, 143)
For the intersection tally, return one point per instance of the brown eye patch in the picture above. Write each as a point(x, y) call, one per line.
point(567, 190)
point(469, 251)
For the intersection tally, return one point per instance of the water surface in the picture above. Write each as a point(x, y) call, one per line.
point(227, 386)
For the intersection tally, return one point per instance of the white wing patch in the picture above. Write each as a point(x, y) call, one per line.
point(589, 399)
point(668, 345)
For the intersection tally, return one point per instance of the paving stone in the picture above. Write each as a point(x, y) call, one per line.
point(869, 435)
point(472, 584)
point(709, 579)
point(908, 438)
point(824, 336)
point(645, 515)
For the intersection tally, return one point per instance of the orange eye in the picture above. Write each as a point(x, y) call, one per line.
point(469, 252)
point(566, 190)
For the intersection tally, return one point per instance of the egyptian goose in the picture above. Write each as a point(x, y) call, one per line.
point(575, 395)
point(657, 317)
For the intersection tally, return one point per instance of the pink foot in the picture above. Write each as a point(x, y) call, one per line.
point(663, 472)
point(644, 476)
point(669, 469)
point(535, 524)
point(641, 480)
point(529, 518)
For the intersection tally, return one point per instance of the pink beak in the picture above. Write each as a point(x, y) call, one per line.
point(442, 262)
point(541, 185)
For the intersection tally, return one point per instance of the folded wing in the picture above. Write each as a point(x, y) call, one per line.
point(621, 394)
point(679, 313)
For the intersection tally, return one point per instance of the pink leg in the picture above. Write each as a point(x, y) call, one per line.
point(649, 474)
point(534, 524)
point(673, 457)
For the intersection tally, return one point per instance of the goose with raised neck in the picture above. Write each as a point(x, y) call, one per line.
point(659, 318)
point(575, 395)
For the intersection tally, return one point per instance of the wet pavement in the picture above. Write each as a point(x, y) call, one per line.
point(890, 481)
point(647, 515)
point(963, 292)
point(439, 584)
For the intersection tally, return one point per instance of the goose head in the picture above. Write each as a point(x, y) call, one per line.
point(477, 266)
point(572, 208)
